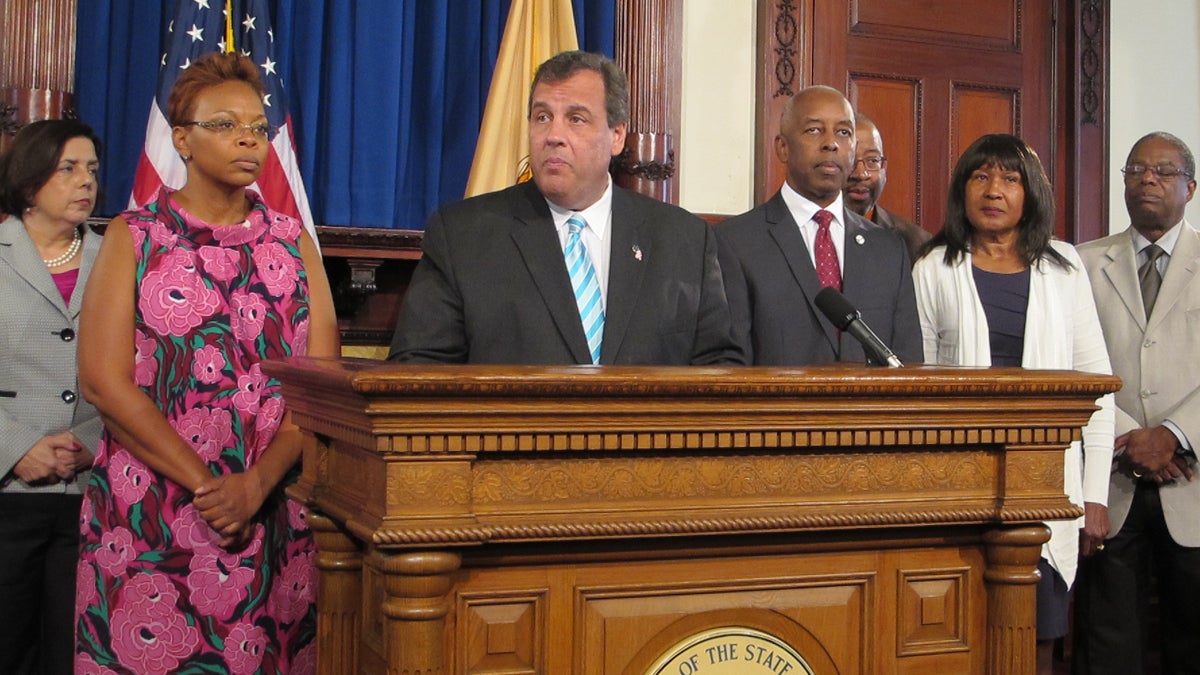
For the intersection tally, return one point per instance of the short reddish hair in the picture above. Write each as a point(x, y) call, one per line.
point(209, 70)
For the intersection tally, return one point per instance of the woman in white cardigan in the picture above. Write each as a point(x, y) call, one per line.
point(993, 288)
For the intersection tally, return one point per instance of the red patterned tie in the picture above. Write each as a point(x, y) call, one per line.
point(829, 272)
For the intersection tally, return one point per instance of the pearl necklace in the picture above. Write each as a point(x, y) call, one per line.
point(69, 254)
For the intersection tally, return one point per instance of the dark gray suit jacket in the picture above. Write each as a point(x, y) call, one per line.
point(492, 287)
point(913, 236)
point(772, 286)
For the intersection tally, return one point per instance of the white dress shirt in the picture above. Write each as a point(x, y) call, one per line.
point(803, 210)
point(595, 236)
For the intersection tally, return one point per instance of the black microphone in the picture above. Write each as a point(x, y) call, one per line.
point(838, 309)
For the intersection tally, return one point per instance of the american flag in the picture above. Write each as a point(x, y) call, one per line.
point(200, 27)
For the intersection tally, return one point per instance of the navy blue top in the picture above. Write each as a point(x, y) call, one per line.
point(1005, 298)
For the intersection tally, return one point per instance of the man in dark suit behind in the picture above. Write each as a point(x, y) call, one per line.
point(865, 184)
point(493, 285)
point(769, 256)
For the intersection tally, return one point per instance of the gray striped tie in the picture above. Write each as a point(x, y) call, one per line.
point(1149, 278)
point(587, 287)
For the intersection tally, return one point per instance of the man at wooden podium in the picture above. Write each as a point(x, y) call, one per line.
point(568, 268)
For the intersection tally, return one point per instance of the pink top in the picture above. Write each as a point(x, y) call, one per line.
point(66, 283)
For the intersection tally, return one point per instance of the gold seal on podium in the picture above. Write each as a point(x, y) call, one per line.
point(730, 650)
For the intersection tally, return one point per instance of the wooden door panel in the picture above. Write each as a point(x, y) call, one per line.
point(901, 128)
point(976, 111)
point(945, 22)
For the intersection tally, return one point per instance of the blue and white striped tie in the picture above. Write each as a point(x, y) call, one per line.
point(587, 287)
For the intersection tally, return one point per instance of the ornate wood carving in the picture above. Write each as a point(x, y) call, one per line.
point(1093, 73)
point(339, 562)
point(416, 605)
point(934, 611)
point(648, 38)
point(1012, 555)
point(786, 34)
point(783, 68)
point(8, 119)
point(37, 69)
point(574, 519)
point(1084, 38)
point(38, 44)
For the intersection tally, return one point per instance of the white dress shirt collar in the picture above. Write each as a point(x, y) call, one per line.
point(803, 210)
point(595, 236)
point(1166, 242)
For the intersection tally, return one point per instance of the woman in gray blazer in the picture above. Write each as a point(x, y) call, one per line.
point(47, 431)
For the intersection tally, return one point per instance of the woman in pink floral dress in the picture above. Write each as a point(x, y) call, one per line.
point(193, 560)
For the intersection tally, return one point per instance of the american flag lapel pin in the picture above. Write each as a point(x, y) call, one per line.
point(637, 252)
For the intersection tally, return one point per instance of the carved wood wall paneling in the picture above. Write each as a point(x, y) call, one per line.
point(999, 83)
point(37, 62)
point(978, 110)
point(902, 128)
point(649, 39)
point(1084, 102)
point(38, 44)
point(989, 25)
point(783, 68)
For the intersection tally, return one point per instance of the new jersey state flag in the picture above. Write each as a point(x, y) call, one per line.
point(200, 27)
point(535, 31)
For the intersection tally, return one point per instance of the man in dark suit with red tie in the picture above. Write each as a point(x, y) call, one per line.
point(568, 268)
point(777, 257)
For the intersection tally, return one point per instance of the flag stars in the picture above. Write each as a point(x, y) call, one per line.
point(187, 63)
point(197, 34)
point(248, 24)
point(269, 66)
point(267, 100)
point(221, 45)
point(202, 4)
point(271, 34)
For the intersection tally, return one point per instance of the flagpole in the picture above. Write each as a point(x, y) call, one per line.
point(229, 27)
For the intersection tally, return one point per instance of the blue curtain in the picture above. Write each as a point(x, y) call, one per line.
point(386, 96)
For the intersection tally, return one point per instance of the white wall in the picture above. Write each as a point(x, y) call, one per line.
point(1155, 60)
point(716, 152)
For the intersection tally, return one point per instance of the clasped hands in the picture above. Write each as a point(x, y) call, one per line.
point(228, 504)
point(1151, 454)
point(53, 458)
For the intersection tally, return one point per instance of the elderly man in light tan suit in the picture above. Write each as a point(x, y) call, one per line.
point(1146, 281)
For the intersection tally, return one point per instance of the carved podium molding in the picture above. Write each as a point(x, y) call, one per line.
point(582, 519)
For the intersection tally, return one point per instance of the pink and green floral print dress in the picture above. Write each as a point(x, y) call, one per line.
point(156, 594)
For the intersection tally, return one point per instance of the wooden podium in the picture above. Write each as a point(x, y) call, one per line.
point(681, 520)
